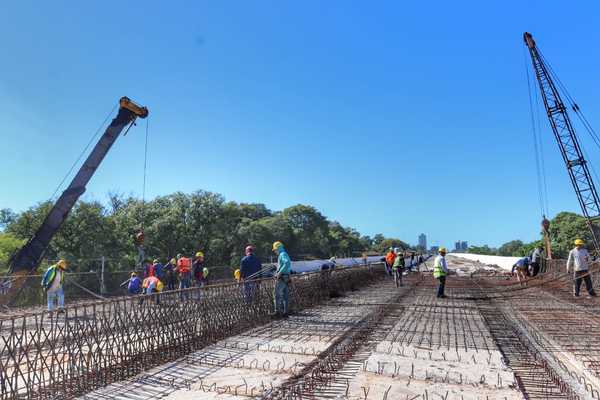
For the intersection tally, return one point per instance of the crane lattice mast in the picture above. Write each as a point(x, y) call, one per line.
point(567, 140)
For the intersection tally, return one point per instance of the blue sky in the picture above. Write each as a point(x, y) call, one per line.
point(391, 117)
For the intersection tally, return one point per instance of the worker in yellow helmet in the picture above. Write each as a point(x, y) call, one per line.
point(440, 270)
point(237, 275)
point(578, 261)
point(53, 282)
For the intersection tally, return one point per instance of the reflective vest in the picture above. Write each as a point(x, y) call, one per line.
point(153, 281)
point(438, 270)
point(184, 265)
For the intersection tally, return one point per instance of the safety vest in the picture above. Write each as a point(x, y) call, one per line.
point(184, 265)
point(158, 285)
point(438, 270)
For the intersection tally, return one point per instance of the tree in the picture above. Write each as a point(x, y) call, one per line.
point(6, 217)
point(511, 248)
point(483, 250)
point(8, 246)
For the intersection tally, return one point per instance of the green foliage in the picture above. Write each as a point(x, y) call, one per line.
point(187, 223)
point(483, 250)
point(385, 244)
point(565, 227)
point(510, 249)
point(8, 245)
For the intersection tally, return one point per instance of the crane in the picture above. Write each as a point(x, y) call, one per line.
point(567, 140)
point(26, 260)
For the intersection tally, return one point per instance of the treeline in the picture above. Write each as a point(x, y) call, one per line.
point(186, 223)
point(564, 229)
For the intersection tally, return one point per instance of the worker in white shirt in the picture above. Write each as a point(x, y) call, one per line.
point(578, 262)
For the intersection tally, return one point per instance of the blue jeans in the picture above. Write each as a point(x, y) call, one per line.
point(281, 295)
point(58, 295)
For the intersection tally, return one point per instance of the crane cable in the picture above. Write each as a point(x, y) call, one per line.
point(537, 145)
point(577, 110)
point(145, 172)
point(84, 151)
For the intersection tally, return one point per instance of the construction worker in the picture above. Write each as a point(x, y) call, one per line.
point(237, 275)
point(139, 238)
point(184, 270)
point(250, 267)
point(398, 267)
point(390, 257)
point(53, 282)
point(536, 258)
point(578, 261)
point(198, 270)
point(134, 286)
point(520, 268)
point(169, 273)
point(152, 285)
point(148, 268)
point(158, 269)
point(440, 270)
point(282, 276)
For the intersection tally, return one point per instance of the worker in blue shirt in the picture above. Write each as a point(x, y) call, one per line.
point(282, 276)
point(250, 267)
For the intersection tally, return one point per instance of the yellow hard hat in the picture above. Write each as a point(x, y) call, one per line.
point(442, 250)
point(173, 261)
point(62, 264)
point(200, 254)
point(237, 274)
point(277, 245)
point(155, 261)
point(579, 242)
point(133, 274)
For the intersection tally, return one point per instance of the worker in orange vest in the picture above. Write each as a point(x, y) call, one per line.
point(390, 257)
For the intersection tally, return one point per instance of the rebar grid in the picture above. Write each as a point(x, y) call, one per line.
point(44, 356)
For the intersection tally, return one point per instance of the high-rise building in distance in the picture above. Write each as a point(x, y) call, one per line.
point(461, 246)
point(423, 241)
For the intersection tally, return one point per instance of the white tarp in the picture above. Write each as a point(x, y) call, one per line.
point(505, 263)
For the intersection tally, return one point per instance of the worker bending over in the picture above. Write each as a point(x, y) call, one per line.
point(53, 282)
point(282, 276)
point(578, 261)
point(134, 285)
point(152, 286)
point(520, 268)
point(440, 270)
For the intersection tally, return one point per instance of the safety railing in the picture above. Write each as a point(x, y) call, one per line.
point(50, 356)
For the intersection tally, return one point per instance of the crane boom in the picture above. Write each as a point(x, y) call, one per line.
point(27, 259)
point(567, 140)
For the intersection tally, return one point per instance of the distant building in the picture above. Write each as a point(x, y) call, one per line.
point(461, 246)
point(434, 249)
point(423, 241)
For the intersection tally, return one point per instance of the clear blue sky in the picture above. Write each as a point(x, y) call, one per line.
point(391, 117)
